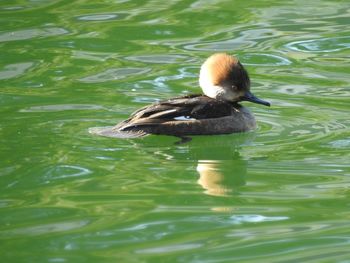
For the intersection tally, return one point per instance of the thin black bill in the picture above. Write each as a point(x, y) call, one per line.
point(248, 96)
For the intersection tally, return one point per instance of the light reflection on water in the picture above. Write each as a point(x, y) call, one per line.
point(325, 45)
point(281, 191)
point(26, 34)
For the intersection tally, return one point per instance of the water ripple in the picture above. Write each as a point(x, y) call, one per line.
point(161, 59)
point(322, 45)
point(161, 83)
point(343, 143)
point(261, 59)
point(62, 107)
point(94, 56)
point(32, 33)
point(102, 17)
point(44, 229)
point(168, 249)
point(239, 219)
point(12, 8)
point(66, 171)
point(15, 70)
point(114, 74)
point(223, 45)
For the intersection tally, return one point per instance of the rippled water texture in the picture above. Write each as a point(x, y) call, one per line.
point(279, 194)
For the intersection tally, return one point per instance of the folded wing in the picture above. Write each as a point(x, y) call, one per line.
point(188, 107)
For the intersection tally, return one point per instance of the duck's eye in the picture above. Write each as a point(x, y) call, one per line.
point(234, 88)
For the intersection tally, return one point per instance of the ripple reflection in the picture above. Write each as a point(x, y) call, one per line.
point(102, 17)
point(32, 33)
point(322, 45)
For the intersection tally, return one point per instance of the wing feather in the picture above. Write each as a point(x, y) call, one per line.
point(192, 107)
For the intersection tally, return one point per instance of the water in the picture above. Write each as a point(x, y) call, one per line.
point(279, 194)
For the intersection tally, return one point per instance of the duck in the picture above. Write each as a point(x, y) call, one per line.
point(224, 83)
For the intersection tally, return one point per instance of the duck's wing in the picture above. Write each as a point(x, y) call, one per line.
point(176, 109)
point(169, 108)
point(191, 107)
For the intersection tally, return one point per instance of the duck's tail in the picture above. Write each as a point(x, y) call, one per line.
point(115, 132)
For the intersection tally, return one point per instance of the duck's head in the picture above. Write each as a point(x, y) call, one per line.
point(223, 77)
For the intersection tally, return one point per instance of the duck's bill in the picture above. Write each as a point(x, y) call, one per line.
point(248, 96)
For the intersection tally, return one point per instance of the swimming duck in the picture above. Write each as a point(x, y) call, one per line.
point(224, 82)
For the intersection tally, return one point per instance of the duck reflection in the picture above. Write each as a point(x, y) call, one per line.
point(219, 164)
point(222, 170)
point(221, 178)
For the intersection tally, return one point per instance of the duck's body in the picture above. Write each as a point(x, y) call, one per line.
point(189, 115)
point(224, 82)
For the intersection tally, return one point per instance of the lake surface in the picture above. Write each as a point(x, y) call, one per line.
point(278, 194)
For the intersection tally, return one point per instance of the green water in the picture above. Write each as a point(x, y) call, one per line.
point(279, 194)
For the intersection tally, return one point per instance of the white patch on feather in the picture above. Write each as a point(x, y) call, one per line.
point(184, 118)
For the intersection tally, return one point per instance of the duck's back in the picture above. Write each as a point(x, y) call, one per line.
point(190, 107)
